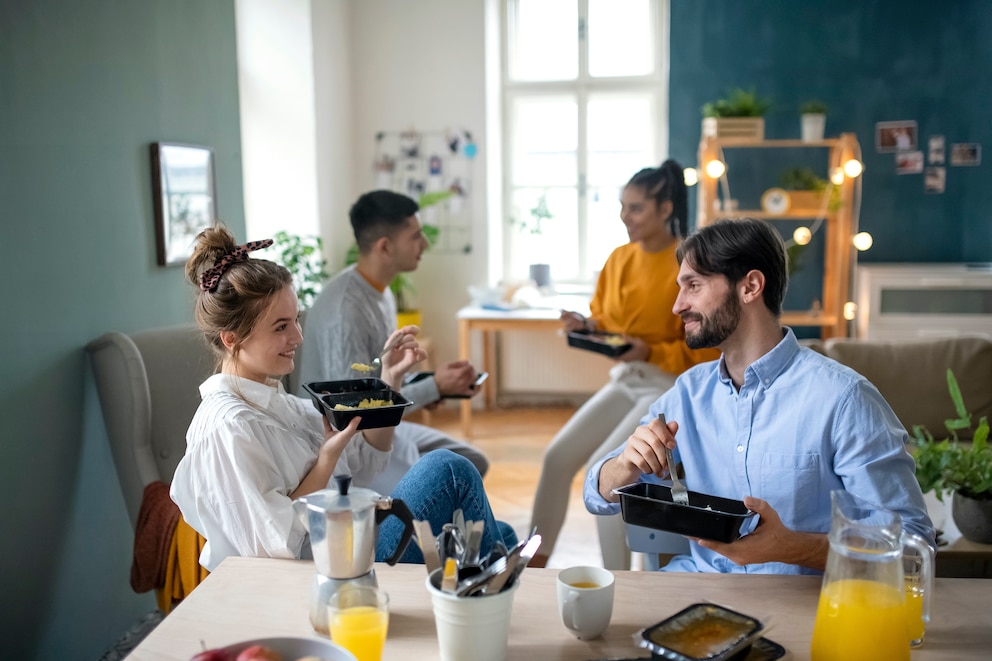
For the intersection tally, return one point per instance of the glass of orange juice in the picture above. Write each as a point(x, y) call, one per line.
point(358, 618)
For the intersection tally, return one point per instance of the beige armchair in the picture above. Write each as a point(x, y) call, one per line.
point(148, 384)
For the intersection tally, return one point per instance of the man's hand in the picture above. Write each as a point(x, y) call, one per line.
point(644, 453)
point(771, 541)
point(456, 378)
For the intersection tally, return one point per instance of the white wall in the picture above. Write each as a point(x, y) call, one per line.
point(278, 129)
point(422, 64)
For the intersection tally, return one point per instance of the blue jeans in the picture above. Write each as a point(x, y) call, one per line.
point(433, 489)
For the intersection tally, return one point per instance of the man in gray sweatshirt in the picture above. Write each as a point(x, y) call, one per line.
point(356, 312)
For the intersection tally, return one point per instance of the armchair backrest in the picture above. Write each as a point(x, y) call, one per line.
point(148, 384)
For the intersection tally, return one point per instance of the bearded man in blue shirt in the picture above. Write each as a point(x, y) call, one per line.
point(771, 422)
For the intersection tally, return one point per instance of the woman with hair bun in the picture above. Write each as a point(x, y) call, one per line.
point(634, 296)
point(252, 448)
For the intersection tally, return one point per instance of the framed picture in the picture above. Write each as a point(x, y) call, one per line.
point(183, 196)
point(966, 154)
point(909, 162)
point(895, 136)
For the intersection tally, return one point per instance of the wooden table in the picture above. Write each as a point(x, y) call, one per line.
point(489, 322)
point(249, 598)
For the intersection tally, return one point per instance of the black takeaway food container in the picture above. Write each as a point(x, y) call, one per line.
point(705, 517)
point(328, 394)
point(703, 632)
point(597, 341)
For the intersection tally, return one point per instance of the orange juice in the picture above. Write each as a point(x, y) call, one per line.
point(361, 630)
point(914, 612)
point(859, 620)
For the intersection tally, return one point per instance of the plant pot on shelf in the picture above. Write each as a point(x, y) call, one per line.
point(734, 128)
point(813, 125)
point(409, 318)
point(973, 517)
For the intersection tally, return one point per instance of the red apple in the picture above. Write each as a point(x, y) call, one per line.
point(259, 653)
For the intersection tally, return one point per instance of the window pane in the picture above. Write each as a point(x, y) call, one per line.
point(545, 142)
point(606, 230)
point(544, 41)
point(621, 139)
point(621, 38)
point(557, 241)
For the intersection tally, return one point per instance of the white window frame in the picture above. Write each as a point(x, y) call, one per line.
point(655, 84)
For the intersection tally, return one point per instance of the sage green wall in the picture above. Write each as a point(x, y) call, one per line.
point(85, 86)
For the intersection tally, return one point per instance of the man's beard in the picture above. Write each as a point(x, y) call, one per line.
point(716, 328)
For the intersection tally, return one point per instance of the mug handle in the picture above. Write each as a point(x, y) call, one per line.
point(570, 609)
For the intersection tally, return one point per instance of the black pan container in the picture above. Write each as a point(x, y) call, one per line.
point(326, 394)
point(593, 341)
point(666, 638)
point(705, 517)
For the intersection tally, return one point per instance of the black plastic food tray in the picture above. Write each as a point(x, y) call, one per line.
point(705, 517)
point(593, 341)
point(663, 639)
point(326, 394)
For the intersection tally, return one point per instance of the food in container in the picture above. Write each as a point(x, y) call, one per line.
point(608, 344)
point(702, 632)
point(706, 517)
point(327, 396)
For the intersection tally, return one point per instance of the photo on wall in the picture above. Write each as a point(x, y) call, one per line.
point(895, 136)
point(934, 179)
point(936, 149)
point(909, 162)
point(966, 154)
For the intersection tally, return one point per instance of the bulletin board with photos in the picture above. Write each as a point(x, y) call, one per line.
point(434, 168)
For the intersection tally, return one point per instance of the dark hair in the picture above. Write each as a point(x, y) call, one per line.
point(666, 183)
point(378, 214)
point(733, 247)
point(244, 292)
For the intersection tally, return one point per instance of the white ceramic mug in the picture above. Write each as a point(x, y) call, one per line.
point(585, 600)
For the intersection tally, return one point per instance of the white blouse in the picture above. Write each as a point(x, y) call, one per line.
point(248, 447)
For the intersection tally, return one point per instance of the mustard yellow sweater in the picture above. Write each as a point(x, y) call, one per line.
point(634, 296)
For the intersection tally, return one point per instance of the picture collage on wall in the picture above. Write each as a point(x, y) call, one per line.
point(434, 168)
point(901, 138)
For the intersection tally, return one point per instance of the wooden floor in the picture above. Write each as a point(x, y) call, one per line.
point(514, 439)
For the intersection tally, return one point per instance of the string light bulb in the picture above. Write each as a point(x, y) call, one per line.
point(715, 168)
point(837, 176)
point(691, 176)
point(853, 168)
point(850, 310)
point(862, 241)
point(802, 235)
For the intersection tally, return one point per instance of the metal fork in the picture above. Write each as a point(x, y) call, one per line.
point(376, 362)
point(680, 495)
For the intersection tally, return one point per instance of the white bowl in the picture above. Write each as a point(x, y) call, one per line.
point(292, 649)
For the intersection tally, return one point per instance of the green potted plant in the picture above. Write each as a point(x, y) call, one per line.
point(739, 115)
point(959, 467)
point(303, 257)
point(806, 190)
point(813, 120)
point(540, 273)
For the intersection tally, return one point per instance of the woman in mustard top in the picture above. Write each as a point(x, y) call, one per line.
point(634, 296)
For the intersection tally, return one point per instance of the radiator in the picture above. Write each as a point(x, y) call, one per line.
point(542, 362)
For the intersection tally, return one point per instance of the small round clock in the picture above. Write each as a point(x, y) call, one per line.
point(775, 201)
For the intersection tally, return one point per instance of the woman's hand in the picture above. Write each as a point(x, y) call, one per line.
point(327, 457)
point(573, 321)
point(639, 350)
point(405, 354)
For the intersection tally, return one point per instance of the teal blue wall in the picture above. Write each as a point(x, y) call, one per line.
point(870, 61)
point(85, 86)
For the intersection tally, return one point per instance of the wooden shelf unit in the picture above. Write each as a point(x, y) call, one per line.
point(839, 254)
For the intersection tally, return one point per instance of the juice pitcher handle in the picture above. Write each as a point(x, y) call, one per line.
point(927, 570)
point(397, 508)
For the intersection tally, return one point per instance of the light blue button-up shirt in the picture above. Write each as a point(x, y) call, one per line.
point(801, 426)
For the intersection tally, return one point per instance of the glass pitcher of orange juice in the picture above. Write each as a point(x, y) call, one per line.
point(864, 612)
